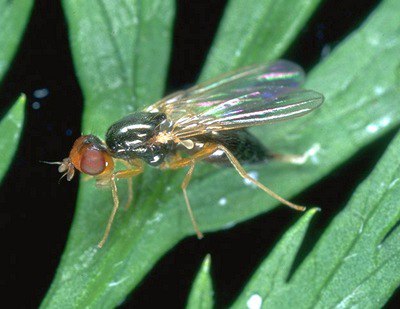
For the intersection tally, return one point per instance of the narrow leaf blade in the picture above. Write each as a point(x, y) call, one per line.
point(274, 271)
point(14, 16)
point(10, 131)
point(201, 295)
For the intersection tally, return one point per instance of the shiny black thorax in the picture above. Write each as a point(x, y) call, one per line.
point(130, 138)
point(133, 137)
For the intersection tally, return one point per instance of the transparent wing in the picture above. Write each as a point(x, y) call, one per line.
point(251, 96)
point(280, 73)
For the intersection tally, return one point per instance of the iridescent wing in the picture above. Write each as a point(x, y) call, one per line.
point(251, 96)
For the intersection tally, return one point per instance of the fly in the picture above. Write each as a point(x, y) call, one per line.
point(204, 123)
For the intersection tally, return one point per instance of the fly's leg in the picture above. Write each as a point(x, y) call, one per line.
point(206, 151)
point(113, 212)
point(239, 168)
point(129, 173)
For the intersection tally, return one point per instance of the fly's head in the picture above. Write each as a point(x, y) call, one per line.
point(133, 137)
point(88, 155)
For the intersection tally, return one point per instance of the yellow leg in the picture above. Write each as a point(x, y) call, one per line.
point(119, 174)
point(113, 212)
point(239, 168)
point(206, 151)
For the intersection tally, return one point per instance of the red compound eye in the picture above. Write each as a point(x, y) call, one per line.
point(93, 162)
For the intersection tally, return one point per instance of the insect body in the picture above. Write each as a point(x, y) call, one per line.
point(206, 122)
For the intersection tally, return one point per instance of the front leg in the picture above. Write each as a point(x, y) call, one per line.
point(135, 170)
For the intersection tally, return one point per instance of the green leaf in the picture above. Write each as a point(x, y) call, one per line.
point(356, 263)
point(121, 53)
point(10, 132)
point(201, 296)
point(14, 16)
point(261, 30)
point(274, 271)
point(121, 67)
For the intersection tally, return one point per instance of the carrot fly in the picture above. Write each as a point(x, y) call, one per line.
point(204, 123)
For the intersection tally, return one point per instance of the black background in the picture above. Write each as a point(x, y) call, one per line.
point(36, 212)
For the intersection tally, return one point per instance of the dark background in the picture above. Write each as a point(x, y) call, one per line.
point(36, 212)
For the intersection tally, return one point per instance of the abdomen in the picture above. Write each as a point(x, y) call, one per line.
point(243, 145)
